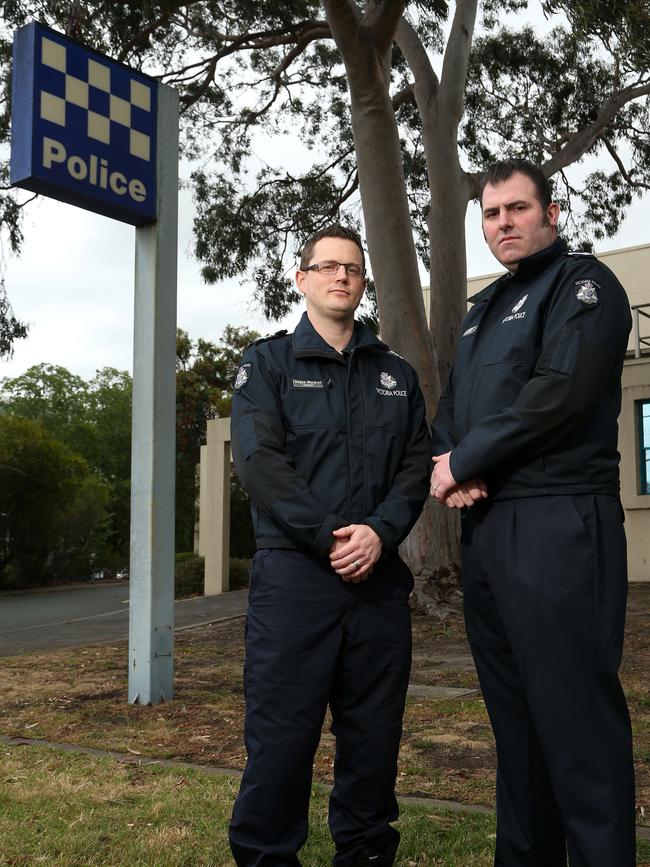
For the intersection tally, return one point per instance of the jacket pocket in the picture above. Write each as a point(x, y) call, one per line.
point(247, 437)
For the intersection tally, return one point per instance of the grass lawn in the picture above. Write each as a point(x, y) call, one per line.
point(65, 809)
point(69, 810)
point(62, 809)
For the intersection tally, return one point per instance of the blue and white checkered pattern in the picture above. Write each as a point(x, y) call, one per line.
point(112, 102)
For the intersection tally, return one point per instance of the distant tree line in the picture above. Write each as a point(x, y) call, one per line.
point(65, 463)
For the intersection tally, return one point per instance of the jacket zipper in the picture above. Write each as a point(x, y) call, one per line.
point(363, 435)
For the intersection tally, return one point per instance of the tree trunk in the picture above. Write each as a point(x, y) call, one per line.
point(383, 196)
point(433, 555)
point(434, 545)
point(432, 548)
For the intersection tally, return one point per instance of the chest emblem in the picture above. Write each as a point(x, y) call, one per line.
point(517, 312)
point(388, 383)
point(586, 292)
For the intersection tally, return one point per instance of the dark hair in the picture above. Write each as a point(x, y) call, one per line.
point(336, 230)
point(504, 170)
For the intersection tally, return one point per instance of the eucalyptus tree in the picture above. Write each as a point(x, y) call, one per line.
point(399, 106)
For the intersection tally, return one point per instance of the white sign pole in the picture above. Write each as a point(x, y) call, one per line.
point(151, 620)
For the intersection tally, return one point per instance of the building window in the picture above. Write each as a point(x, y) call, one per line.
point(643, 410)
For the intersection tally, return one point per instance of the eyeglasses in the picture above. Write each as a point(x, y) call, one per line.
point(330, 268)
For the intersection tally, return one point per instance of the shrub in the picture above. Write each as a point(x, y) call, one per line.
point(189, 576)
point(239, 574)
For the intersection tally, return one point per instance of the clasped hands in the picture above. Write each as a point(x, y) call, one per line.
point(445, 489)
point(355, 551)
point(357, 547)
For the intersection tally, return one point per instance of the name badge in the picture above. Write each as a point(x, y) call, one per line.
point(308, 383)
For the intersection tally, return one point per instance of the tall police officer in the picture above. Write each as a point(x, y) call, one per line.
point(330, 440)
point(531, 410)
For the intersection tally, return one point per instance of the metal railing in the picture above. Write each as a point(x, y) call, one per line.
point(638, 310)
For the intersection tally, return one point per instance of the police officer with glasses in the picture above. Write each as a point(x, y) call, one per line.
point(330, 440)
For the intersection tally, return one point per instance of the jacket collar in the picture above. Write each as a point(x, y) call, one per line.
point(528, 268)
point(307, 341)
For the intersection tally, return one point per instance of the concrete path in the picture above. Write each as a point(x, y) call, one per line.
point(69, 617)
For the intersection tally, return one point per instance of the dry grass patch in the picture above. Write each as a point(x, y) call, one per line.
point(79, 696)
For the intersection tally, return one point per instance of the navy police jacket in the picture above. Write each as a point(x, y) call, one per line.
point(535, 391)
point(322, 439)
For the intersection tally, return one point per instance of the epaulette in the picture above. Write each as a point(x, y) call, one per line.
point(269, 337)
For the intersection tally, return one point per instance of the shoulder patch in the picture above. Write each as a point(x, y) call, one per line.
point(243, 375)
point(269, 337)
point(587, 292)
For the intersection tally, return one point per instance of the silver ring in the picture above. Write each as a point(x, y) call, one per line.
point(356, 564)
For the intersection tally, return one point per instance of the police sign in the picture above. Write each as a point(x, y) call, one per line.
point(83, 127)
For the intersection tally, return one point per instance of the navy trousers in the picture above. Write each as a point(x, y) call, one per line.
point(314, 640)
point(545, 594)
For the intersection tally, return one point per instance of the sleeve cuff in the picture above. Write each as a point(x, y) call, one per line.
point(324, 539)
point(456, 468)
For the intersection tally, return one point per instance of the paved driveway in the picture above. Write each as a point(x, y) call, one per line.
point(68, 617)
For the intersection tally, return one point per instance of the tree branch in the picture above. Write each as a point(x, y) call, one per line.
point(19, 205)
point(382, 19)
point(140, 39)
point(403, 96)
point(410, 44)
point(580, 143)
point(353, 180)
point(248, 42)
point(188, 100)
point(456, 59)
point(345, 19)
point(614, 155)
point(303, 41)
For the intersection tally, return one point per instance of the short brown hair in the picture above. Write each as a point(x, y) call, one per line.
point(336, 230)
point(502, 171)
